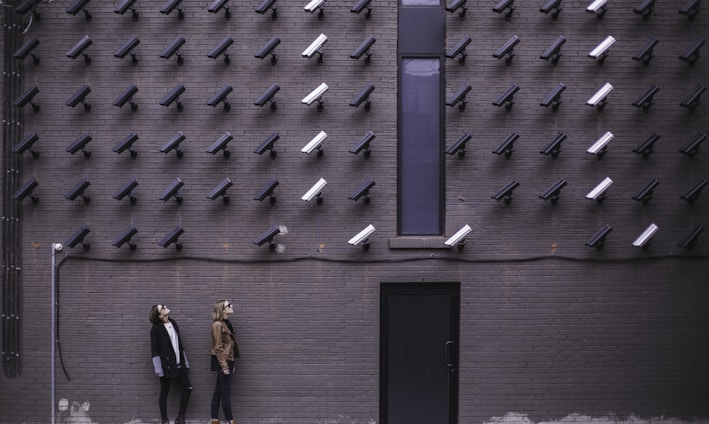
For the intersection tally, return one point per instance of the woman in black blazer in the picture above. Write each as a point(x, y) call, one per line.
point(169, 360)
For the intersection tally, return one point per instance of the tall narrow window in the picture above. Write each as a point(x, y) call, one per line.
point(420, 152)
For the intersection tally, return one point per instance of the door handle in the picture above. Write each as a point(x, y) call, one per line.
point(449, 354)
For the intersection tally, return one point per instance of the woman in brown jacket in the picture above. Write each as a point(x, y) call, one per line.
point(224, 350)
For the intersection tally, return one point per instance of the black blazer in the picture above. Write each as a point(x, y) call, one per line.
point(164, 359)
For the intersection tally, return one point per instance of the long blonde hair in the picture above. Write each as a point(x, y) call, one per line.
point(219, 313)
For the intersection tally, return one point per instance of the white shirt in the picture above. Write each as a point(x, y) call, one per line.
point(174, 340)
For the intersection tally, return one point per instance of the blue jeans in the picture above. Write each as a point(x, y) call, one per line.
point(222, 393)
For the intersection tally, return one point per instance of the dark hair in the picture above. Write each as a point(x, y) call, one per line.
point(154, 315)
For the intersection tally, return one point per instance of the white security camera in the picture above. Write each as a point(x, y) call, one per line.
point(362, 236)
point(315, 143)
point(58, 247)
point(315, 46)
point(599, 98)
point(599, 147)
point(315, 191)
point(601, 50)
point(315, 94)
point(313, 5)
point(598, 193)
point(645, 237)
point(459, 237)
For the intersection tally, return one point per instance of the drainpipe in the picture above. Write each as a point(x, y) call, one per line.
point(56, 247)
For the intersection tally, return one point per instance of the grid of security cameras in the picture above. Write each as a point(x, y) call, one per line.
point(598, 99)
point(27, 49)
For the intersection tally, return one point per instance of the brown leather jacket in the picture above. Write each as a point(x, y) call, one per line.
point(224, 345)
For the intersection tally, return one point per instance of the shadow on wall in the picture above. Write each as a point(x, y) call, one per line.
point(517, 418)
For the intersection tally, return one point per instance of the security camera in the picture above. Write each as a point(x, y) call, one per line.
point(360, 6)
point(600, 52)
point(363, 144)
point(645, 238)
point(552, 193)
point(691, 240)
point(597, 7)
point(58, 247)
point(459, 49)
point(505, 193)
point(267, 96)
point(553, 52)
point(123, 7)
point(454, 5)
point(316, 95)
point(172, 190)
point(505, 5)
point(218, 5)
point(265, 5)
point(646, 147)
point(27, 6)
point(553, 98)
point(173, 237)
point(598, 100)
point(363, 96)
point(268, 237)
point(645, 100)
point(599, 147)
point(127, 96)
point(315, 47)
point(126, 190)
point(127, 48)
point(221, 144)
point(458, 98)
point(173, 48)
point(507, 98)
point(173, 143)
point(690, 9)
point(314, 144)
point(268, 48)
point(78, 237)
point(220, 49)
point(171, 5)
point(77, 6)
point(554, 146)
point(645, 194)
point(267, 144)
point(507, 146)
point(220, 96)
point(315, 191)
point(599, 239)
point(26, 190)
point(507, 49)
point(267, 191)
point(26, 49)
point(26, 97)
point(125, 237)
point(459, 145)
point(78, 190)
point(693, 193)
point(318, 5)
point(550, 5)
point(80, 97)
point(220, 190)
point(692, 53)
point(79, 48)
point(363, 191)
point(363, 236)
point(364, 48)
point(598, 193)
point(26, 144)
point(80, 144)
point(645, 8)
point(692, 100)
point(459, 237)
point(645, 54)
point(691, 148)
point(174, 96)
point(127, 143)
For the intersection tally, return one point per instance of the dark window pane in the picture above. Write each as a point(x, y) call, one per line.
point(420, 147)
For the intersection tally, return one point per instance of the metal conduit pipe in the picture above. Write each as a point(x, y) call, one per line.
point(12, 211)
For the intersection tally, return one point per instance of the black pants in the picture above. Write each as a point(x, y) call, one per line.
point(222, 393)
point(186, 387)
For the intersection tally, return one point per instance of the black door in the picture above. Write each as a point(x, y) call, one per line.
point(419, 353)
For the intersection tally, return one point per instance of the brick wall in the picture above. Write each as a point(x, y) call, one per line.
point(549, 326)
